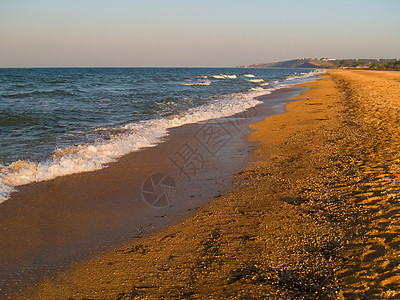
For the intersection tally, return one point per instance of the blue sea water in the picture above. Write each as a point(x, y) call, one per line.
point(60, 121)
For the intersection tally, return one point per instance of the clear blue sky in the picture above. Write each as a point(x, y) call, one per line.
point(193, 32)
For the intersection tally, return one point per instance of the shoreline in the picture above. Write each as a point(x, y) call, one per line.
point(72, 218)
point(314, 214)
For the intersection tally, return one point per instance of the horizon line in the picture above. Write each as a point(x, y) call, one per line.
point(240, 66)
point(104, 67)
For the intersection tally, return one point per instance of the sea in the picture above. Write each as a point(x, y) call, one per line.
point(60, 121)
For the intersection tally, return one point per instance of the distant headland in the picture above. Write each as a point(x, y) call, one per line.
point(333, 63)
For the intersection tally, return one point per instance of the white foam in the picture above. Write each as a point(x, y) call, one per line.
point(135, 136)
point(5, 191)
point(248, 75)
point(294, 80)
point(217, 76)
point(198, 83)
point(305, 75)
point(256, 80)
point(223, 76)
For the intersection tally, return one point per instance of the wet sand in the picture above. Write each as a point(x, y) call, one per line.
point(315, 214)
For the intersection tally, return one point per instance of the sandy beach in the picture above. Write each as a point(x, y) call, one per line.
point(314, 214)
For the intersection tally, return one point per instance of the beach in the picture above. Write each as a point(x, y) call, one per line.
point(78, 193)
point(313, 213)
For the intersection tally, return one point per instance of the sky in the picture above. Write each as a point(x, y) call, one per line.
point(217, 33)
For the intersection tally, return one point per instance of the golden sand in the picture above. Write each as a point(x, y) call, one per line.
point(315, 214)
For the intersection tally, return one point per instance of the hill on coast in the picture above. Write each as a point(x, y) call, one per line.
point(327, 63)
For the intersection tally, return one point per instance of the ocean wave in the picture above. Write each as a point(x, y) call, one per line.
point(223, 76)
point(205, 83)
point(249, 75)
point(297, 79)
point(305, 75)
point(12, 120)
point(29, 94)
point(256, 80)
point(56, 81)
point(217, 76)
